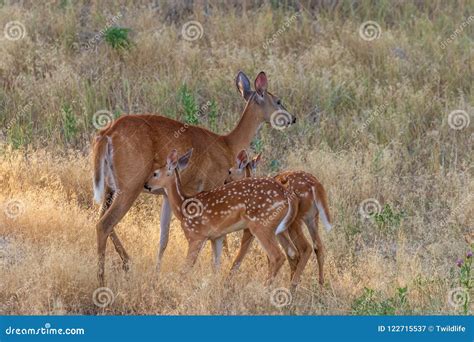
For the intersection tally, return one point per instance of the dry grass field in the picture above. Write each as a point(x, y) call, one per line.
point(384, 121)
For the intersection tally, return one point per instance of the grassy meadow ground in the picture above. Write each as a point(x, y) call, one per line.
point(383, 123)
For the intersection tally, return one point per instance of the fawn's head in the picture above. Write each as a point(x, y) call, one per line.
point(244, 167)
point(165, 175)
point(266, 106)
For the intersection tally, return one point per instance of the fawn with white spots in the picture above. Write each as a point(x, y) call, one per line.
point(260, 204)
point(313, 203)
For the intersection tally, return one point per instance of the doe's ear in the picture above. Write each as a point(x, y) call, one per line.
point(243, 85)
point(242, 159)
point(184, 159)
point(172, 160)
point(261, 83)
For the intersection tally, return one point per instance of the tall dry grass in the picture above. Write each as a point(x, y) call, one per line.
point(372, 123)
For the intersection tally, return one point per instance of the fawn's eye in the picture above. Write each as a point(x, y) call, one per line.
point(155, 174)
point(230, 172)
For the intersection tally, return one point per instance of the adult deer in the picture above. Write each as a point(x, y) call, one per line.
point(124, 154)
point(312, 204)
point(210, 215)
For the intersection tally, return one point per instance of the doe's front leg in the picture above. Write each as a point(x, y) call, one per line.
point(217, 245)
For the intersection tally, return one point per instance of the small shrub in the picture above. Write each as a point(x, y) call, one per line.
point(117, 38)
point(19, 134)
point(189, 104)
point(466, 279)
point(257, 145)
point(387, 218)
point(370, 303)
point(213, 116)
point(275, 165)
point(69, 123)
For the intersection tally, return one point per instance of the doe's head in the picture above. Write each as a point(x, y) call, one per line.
point(266, 106)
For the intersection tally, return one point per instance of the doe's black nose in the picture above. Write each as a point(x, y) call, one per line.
point(147, 187)
point(294, 119)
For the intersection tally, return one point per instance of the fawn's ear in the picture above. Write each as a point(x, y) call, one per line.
point(243, 85)
point(242, 159)
point(184, 159)
point(261, 83)
point(255, 161)
point(172, 160)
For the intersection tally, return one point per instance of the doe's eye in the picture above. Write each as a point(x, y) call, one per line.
point(279, 102)
point(230, 172)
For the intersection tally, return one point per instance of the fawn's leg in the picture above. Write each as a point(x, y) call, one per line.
point(312, 224)
point(269, 243)
point(291, 251)
point(304, 250)
point(194, 248)
point(245, 244)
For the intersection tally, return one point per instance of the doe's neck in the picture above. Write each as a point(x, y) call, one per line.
point(247, 127)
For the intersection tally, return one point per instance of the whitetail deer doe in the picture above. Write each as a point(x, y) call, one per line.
point(124, 154)
point(312, 203)
point(260, 204)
